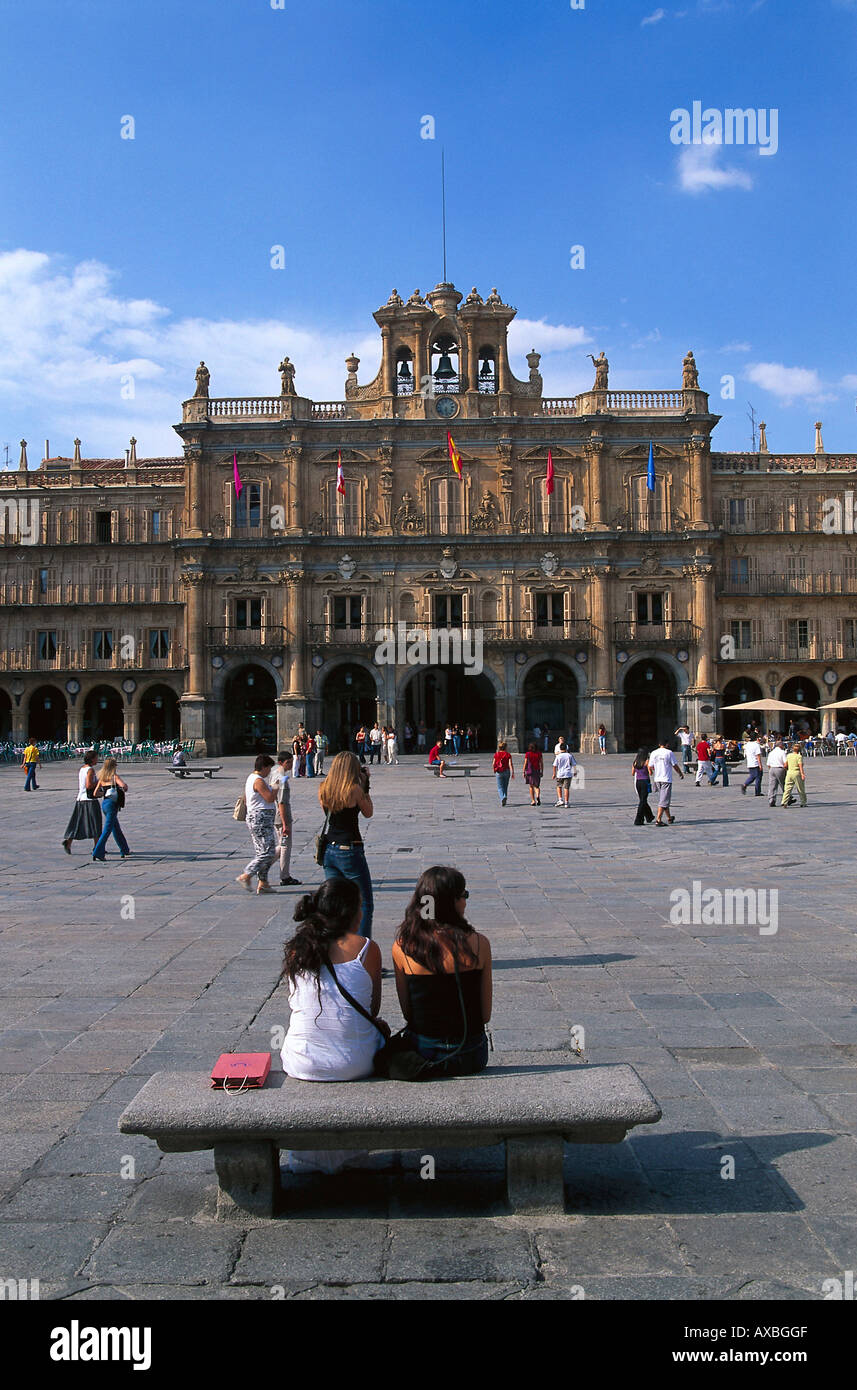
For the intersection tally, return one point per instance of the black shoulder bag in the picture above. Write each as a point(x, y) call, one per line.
point(397, 1060)
point(321, 846)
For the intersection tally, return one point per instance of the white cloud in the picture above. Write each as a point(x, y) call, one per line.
point(653, 18)
point(700, 172)
point(736, 347)
point(70, 338)
point(788, 383)
point(849, 382)
point(648, 338)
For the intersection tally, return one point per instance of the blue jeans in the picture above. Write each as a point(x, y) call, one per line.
point(456, 743)
point(351, 863)
point(754, 778)
point(31, 782)
point(111, 827)
point(472, 1058)
point(503, 785)
point(721, 765)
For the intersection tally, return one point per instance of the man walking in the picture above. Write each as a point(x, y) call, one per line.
point(563, 770)
point(30, 762)
point(753, 754)
point(279, 781)
point(776, 764)
point(321, 746)
point(661, 764)
point(703, 761)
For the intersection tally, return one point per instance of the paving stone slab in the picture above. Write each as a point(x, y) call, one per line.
point(165, 1254)
point(306, 1252)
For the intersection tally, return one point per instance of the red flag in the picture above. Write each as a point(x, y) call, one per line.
point(454, 455)
point(236, 475)
point(340, 476)
point(549, 478)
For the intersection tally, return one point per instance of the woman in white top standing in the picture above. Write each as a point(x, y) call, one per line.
point(85, 823)
point(328, 1039)
point(261, 813)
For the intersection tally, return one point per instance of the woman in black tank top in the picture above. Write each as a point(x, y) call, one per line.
point(344, 797)
point(443, 975)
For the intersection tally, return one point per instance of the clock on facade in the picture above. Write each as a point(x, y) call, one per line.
point(446, 407)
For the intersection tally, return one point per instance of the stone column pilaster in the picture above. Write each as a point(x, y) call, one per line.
point(594, 450)
point(700, 483)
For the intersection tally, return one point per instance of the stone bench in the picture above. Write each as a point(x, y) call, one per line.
point(533, 1109)
point(450, 767)
point(189, 771)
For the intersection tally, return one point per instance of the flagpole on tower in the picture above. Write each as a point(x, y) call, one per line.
point(443, 206)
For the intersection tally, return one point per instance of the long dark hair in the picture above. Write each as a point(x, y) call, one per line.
point(324, 916)
point(642, 758)
point(424, 938)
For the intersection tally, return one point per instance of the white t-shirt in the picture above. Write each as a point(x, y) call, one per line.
point(663, 761)
point(753, 754)
point(564, 764)
point(256, 804)
point(374, 735)
point(686, 739)
point(777, 757)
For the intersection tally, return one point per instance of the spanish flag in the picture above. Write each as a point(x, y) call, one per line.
point(549, 477)
point(340, 476)
point(454, 455)
point(236, 476)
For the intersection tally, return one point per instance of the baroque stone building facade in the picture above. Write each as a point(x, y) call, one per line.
point(150, 597)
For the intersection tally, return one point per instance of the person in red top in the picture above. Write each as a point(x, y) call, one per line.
point(505, 769)
point(703, 761)
point(533, 769)
point(437, 760)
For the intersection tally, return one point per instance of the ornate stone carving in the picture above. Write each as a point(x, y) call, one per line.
point(346, 567)
point(488, 515)
point(289, 576)
point(448, 565)
point(192, 575)
point(521, 519)
point(416, 301)
point(473, 299)
point(408, 518)
point(689, 373)
point(316, 522)
point(494, 299)
point(549, 564)
point(203, 377)
point(248, 570)
point(218, 525)
point(533, 360)
point(395, 299)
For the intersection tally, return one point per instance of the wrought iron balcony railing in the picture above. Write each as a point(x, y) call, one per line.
point(674, 632)
point(270, 635)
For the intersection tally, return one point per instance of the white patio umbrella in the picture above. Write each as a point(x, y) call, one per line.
point(769, 706)
point(841, 704)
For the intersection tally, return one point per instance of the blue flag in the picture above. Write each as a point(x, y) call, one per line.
point(650, 474)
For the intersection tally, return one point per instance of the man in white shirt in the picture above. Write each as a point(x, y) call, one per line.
point(661, 764)
point(374, 743)
point(278, 781)
point(776, 764)
point(686, 745)
point(563, 770)
point(753, 754)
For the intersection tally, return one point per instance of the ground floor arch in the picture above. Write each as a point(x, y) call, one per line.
point(800, 690)
point(551, 701)
point(651, 703)
point(349, 698)
point(5, 717)
point(47, 715)
point(159, 713)
point(737, 691)
point(441, 695)
point(250, 713)
point(103, 714)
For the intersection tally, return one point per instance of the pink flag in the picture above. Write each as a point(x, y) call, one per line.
point(340, 476)
point(549, 478)
point(236, 475)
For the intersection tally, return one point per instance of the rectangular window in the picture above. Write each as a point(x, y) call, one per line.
point(47, 646)
point(103, 528)
point(650, 609)
point(739, 571)
point(43, 581)
point(102, 645)
point(347, 611)
point(549, 610)
point(248, 505)
point(159, 642)
point(740, 634)
point(156, 526)
point(448, 610)
point(248, 613)
point(849, 632)
point(737, 511)
point(798, 633)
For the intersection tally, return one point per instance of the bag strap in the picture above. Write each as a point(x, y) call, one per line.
point(353, 1002)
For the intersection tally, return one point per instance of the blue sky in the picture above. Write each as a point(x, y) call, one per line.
point(122, 262)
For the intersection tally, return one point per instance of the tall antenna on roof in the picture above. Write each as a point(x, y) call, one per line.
point(443, 205)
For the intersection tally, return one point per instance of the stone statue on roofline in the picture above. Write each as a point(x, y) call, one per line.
point(203, 376)
point(689, 373)
point(287, 372)
point(602, 366)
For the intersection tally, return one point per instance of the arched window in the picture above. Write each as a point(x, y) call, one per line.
point(649, 509)
point(407, 609)
point(404, 372)
point(444, 365)
point(487, 371)
point(446, 507)
point(549, 512)
point(489, 607)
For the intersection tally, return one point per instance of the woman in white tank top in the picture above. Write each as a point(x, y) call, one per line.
point(85, 823)
point(328, 1039)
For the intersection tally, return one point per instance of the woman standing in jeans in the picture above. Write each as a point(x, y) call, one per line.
point(344, 797)
point(107, 789)
point(443, 976)
point(505, 769)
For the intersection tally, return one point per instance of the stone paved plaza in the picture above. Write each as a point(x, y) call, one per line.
point(748, 1041)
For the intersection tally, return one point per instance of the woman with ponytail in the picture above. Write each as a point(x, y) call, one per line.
point(328, 1039)
point(443, 976)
